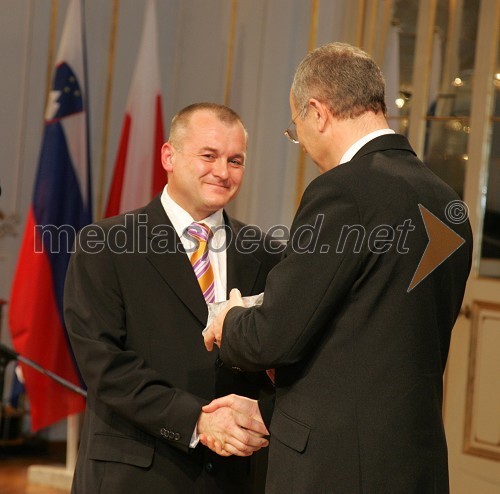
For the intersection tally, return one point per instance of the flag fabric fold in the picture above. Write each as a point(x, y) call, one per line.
point(138, 174)
point(61, 205)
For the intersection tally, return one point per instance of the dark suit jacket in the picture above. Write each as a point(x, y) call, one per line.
point(359, 359)
point(134, 313)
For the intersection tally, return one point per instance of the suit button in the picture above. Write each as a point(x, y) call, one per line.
point(163, 432)
point(209, 467)
point(170, 435)
point(219, 362)
point(177, 436)
point(237, 369)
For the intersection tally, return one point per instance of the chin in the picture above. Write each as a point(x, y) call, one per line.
point(220, 197)
point(215, 205)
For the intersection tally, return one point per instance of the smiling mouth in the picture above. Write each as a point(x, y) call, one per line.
point(221, 186)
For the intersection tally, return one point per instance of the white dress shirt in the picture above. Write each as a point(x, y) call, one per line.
point(349, 154)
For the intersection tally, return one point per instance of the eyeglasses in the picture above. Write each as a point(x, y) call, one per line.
point(291, 130)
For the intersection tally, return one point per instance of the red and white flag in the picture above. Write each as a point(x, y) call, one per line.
point(138, 174)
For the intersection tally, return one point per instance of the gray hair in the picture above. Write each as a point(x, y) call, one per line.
point(342, 76)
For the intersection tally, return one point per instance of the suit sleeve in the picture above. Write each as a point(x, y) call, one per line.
point(307, 288)
point(95, 318)
point(266, 408)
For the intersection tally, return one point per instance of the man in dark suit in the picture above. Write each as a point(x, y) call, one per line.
point(356, 319)
point(134, 310)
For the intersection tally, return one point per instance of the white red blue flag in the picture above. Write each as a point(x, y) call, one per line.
point(61, 205)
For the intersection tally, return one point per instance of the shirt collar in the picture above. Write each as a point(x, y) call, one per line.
point(181, 219)
point(349, 154)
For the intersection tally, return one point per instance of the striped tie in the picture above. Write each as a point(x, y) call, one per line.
point(201, 262)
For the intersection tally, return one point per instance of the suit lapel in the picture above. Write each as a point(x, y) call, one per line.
point(242, 267)
point(167, 255)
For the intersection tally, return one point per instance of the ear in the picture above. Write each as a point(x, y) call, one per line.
point(167, 154)
point(320, 114)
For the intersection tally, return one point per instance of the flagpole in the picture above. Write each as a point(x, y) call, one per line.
point(107, 107)
point(52, 48)
point(313, 27)
point(22, 112)
point(86, 106)
point(73, 421)
point(230, 52)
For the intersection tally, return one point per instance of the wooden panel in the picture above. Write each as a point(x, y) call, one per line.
point(482, 415)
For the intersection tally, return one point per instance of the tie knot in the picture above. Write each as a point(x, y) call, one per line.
point(200, 231)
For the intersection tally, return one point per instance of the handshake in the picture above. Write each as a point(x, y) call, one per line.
point(232, 425)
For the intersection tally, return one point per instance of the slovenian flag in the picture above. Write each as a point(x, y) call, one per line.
point(138, 174)
point(61, 205)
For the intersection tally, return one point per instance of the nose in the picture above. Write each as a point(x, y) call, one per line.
point(220, 169)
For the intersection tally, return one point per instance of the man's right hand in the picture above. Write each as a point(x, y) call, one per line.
point(232, 425)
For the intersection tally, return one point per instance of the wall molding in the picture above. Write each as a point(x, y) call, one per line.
point(473, 444)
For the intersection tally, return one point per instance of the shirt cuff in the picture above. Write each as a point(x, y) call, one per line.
point(195, 438)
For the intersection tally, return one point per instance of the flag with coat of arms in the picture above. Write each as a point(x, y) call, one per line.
point(60, 206)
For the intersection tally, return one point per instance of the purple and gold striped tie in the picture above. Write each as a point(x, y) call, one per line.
point(200, 260)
